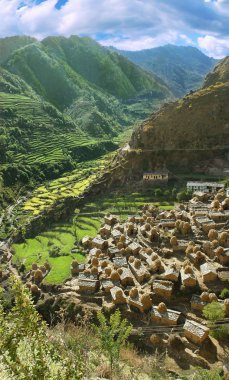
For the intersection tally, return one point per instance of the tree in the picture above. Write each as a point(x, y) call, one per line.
point(112, 335)
point(158, 192)
point(183, 196)
point(214, 312)
point(25, 350)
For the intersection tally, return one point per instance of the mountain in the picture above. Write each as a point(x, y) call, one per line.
point(220, 74)
point(74, 72)
point(34, 134)
point(58, 68)
point(182, 68)
point(188, 136)
point(107, 70)
point(63, 101)
point(10, 44)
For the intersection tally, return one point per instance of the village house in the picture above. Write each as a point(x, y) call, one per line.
point(205, 223)
point(207, 187)
point(208, 272)
point(163, 288)
point(164, 316)
point(156, 177)
point(197, 303)
point(195, 332)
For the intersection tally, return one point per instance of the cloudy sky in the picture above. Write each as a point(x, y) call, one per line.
point(125, 24)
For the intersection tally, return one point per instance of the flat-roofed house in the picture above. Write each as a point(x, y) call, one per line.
point(207, 187)
point(156, 177)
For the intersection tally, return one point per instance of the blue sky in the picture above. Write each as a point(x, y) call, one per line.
point(125, 24)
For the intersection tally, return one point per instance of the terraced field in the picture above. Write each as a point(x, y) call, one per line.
point(46, 136)
point(72, 185)
point(38, 251)
point(85, 222)
point(55, 149)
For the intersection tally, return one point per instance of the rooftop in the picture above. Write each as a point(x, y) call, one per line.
point(200, 183)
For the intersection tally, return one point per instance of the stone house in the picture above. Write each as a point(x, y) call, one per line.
point(110, 219)
point(171, 274)
point(100, 243)
point(197, 303)
point(195, 332)
point(224, 257)
point(118, 296)
point(163, 288)
point(167, 317)
point(187, 279)
point(208, 272)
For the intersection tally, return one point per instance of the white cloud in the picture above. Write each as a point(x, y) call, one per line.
point(143, 42)
point(188, 40)
point(214, 46)
point(126, 24)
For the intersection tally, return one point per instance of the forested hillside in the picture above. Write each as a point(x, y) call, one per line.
point(63, 101)
point(182, 68)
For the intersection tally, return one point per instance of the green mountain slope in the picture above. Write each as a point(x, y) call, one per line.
point(105, 69)
point(37, 141)
point(10, 44)
point(91, 84)
point(183, 68)
point(62, 101)
point(50, 78)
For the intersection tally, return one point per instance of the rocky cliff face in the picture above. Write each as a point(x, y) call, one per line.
point(189, 135)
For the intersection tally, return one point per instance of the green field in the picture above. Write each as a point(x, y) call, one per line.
point(37, 251)
point(85, 222)
point(70, 185)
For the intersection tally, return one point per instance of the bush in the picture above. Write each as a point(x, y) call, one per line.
point(215, 312)
point(55, 251)
point(224, 294)
point(205, 374)
point(183, 196)
point(25, 350)
point(112, 335)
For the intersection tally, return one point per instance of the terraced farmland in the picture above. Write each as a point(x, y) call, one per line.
point(67, 236)
point(70, 185)
point(38, 251)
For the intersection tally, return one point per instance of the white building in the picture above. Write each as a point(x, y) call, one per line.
point(206, 187)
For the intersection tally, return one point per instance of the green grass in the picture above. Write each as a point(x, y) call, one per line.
point(85, 222)
point(37, 250)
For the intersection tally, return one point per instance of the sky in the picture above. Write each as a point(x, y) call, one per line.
point(124, 24)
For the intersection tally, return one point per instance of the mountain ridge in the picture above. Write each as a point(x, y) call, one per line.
point(182, 68)
point(186, 137)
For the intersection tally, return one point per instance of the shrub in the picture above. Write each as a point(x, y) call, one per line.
point(25, 349)
point(112, 335)
point(205, 374)
point(224, 294)
point(55, 251)
point(214, 312)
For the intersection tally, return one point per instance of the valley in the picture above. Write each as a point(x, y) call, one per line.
point(97, 214)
